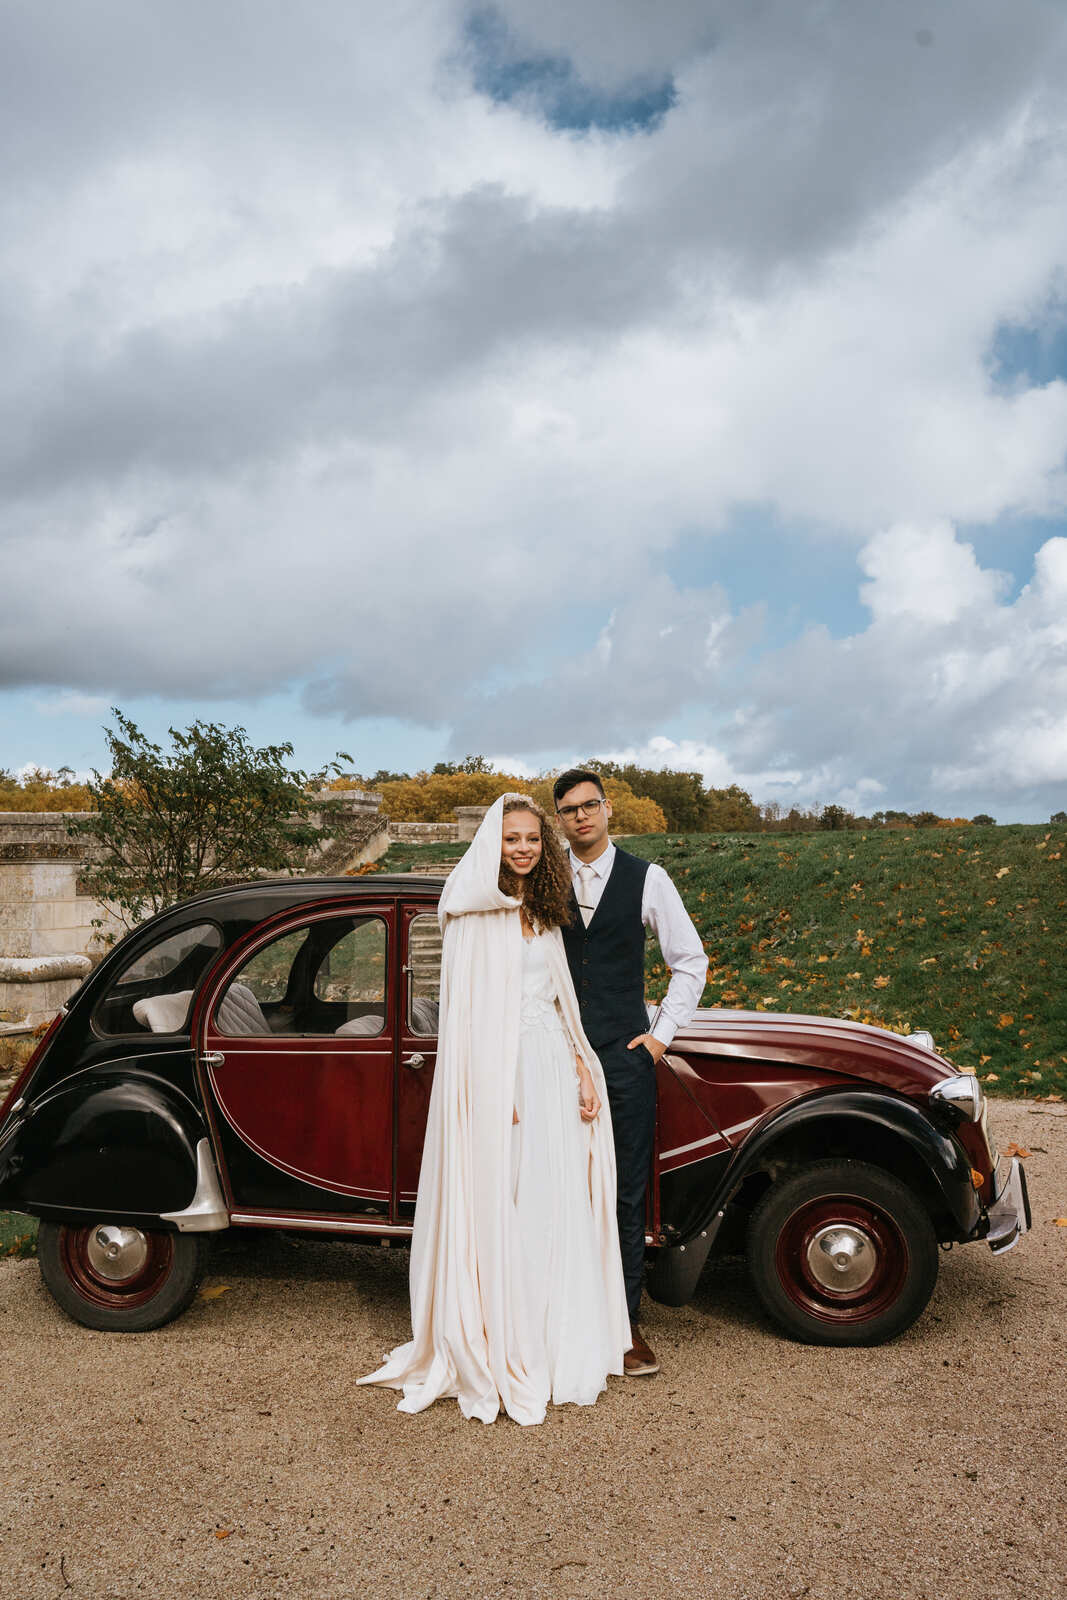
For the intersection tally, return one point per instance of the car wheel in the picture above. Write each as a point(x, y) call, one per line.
point(120, 1279)
point(842, 1253)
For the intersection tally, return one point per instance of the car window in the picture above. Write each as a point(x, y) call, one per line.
point(154, 992)
point(424, 975)
point(325, 977)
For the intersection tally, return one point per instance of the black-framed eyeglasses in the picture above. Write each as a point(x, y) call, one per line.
point(587, 808)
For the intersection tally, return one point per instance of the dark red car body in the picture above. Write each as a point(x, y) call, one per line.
point(842, 1149)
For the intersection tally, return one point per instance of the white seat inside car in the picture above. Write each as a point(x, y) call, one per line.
point(361, 1027)
point(240, 1014)
point(163, 1013)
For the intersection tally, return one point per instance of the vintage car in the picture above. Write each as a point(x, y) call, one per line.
point(261, 1057)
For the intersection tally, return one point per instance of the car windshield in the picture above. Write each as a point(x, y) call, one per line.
point(154, 992)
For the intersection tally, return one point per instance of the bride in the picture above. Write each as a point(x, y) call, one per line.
point(517, 1294)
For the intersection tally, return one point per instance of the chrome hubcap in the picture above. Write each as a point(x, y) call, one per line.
point(115, 1252)
point(842, 1257)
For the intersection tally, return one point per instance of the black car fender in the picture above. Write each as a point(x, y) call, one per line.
point(114, 1141)
point(883, 1120)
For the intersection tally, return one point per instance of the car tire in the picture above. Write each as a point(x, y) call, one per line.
point(84, 1270)
point(842, 1253)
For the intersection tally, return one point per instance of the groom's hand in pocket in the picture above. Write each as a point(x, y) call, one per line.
point(654, 1046)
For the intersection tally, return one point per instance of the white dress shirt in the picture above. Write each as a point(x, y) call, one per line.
point(662, 911)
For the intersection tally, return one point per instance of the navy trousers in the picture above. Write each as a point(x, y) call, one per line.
point(631, 1081)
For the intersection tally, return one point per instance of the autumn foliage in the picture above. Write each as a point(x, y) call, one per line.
point(42, 790)
point(433, 797)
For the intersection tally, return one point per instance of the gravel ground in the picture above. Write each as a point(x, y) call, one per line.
point(231, 1453)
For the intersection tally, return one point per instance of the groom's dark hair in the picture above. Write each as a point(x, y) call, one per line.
point(571, 779)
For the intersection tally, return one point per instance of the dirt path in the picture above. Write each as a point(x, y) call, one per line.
point(751, 1469)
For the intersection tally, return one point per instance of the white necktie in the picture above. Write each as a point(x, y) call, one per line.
point(585, 902)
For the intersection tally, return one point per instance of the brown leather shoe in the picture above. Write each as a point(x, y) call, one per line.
point(640, 1360)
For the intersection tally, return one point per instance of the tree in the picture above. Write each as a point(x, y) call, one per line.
point(679, 795)
point(1056, 818)
point(984, 820)
point(211, 810)
point(730, 810)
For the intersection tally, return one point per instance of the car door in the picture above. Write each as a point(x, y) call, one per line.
point(297, 1046)
point(420, 940)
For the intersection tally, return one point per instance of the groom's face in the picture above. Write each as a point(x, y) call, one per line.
point(586, 833)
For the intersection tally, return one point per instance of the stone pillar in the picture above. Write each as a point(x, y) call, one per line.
point(46, 931)
point(469, 821)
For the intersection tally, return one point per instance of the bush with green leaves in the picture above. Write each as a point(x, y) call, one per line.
point(210, 810)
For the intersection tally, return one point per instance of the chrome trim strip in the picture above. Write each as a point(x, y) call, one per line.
point(750, 1122)
point(711, 1138)
point(381, 1230)
point(697, 1144)
point(206, 1211)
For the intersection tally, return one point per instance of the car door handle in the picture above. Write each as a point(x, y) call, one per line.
point(414, 1061)
point(214, 1058)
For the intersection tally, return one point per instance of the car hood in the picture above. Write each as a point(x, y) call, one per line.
point(824, 1044)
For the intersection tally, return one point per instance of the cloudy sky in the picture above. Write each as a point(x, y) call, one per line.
point(685, 381)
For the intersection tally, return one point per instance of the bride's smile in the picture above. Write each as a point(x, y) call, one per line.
point(520, 845)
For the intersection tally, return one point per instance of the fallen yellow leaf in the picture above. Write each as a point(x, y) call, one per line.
point(1002, 872)
point(223, 1533)
point(1005, 1019)
point(1019, 1150)
point(1061, 1222)
point(213, 1292)
point(881, 982)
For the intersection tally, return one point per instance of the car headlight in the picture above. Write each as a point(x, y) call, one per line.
point(963, 1093)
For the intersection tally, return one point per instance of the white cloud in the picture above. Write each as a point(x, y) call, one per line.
point(71, 704)
point(924, 573)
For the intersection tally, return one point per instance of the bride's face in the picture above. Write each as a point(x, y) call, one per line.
point(520, 844)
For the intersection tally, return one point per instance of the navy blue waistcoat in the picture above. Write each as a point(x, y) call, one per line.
point(607, 959)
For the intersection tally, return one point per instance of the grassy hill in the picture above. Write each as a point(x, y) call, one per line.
point(959, 930)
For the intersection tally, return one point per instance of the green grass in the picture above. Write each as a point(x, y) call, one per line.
point(959, 930)
point(414, 857)
point(18, 1234)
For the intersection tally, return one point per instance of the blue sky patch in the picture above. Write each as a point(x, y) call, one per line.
point(506, 73)
point(1028, 356)
point(796, 575)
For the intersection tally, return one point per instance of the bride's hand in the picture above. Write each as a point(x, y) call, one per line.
point(588, 1099)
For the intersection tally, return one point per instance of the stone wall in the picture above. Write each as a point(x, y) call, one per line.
point(424, 832)
point(47, 938)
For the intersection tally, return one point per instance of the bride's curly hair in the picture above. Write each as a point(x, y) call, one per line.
point(546, 891)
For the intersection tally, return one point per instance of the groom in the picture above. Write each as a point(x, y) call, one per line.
point(616, 897)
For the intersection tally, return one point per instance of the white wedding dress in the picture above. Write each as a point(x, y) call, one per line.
point(556, 1235)
point(517, 1296)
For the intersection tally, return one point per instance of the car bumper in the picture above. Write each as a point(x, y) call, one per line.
point(1009, 1214)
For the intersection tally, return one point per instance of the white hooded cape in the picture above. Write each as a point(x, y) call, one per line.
point(471, 1336)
